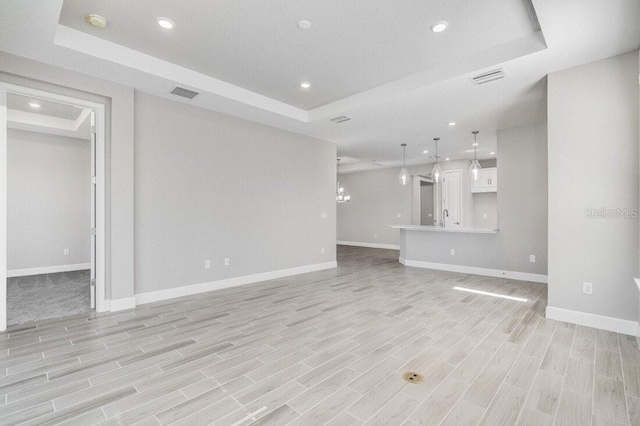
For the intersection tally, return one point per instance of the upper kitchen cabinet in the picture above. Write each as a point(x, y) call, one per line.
point(487, 181)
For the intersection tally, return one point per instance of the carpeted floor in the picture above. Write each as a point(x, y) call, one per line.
point(41, 297)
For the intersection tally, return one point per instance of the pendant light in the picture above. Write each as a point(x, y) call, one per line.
point(474, 168)
point(404, 174)
point(436, 173)
point(341, 197)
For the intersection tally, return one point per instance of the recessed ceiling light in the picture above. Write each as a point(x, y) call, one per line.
point(166, 23)
point(425, 152)
point(452, 123)
point(304, 24)
point(492, 153)
point(96, 20)
point(305, 84)
point(34, 105)
point(475, 144)
point(439, 26)
point(447, 159)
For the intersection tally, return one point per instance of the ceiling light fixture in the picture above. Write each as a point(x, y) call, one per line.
point(439, 26)
point(436, 172)
point(425, 152)
point(452, 123)
point(96, 20)
point(404, 174)
point(305, 84)
point(447, 159)
point(474, 168)
point(304, 24)
point(341, 197)
point(166, 23)
point(34, 105)
point(492, 153)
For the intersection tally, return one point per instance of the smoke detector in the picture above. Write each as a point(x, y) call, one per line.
point(96, 20)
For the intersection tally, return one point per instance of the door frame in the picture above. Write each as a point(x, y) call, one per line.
point(100, 130)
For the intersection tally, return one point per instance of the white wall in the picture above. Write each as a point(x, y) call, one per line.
point(593, 164)
point(210, 187)
point(48, 200)
point(377, 201)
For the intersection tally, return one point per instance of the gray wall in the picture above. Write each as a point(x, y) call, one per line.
point(377, 199)
point(427, 211)
point(48, 200)
point(522, 217)
point(119, 156)
point(210, 186)
point(593, 163)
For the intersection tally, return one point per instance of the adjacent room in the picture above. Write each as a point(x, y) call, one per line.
point(320, 213)
point(49, 210)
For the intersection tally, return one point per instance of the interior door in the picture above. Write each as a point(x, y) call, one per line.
point(93, 210)
point(452, 198)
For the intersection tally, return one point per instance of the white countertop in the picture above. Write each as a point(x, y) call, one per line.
point(429, 228)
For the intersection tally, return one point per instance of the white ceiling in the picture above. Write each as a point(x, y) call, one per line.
point(52, 117)
point(375, 62)
point(352, 46)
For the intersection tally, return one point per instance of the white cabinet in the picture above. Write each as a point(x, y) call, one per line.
point(487, 181)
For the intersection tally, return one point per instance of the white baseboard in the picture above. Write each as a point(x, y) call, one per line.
point(115, 305)
point(370, 245)
point(513, 275)
point(188, 290)
point(601, 322)
point(47, 270)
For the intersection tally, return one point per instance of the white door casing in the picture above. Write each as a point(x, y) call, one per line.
point(99, 188)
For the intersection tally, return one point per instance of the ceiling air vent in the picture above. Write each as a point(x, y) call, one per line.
point(340, 119)
point(185, 93)
point(486, 77)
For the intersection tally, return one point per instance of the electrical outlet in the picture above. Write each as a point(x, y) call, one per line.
point(587, 288)
point(323, 215)
point(453, 252)
point(207, 264)
point(226, 261)
point(484, 216)
point(322, 250)
point(532, 258)
point(65, 252)
point(375, 236)
point(399, 215)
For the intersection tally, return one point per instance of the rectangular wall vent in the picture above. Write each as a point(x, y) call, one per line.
point(185, 93)
point(340, 119)
point(486, 77)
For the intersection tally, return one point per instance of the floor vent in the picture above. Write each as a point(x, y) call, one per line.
point(412, 377)
point(185, 93)
point(487, 77)
point(340, 119)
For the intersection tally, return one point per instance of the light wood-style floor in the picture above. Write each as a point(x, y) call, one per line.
point(325, 348)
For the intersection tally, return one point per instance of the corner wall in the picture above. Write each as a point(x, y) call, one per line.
point(593, 118)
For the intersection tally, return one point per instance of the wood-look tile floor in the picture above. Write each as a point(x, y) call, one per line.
point(325, 348)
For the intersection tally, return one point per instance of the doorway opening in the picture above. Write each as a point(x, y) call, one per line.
point(52, 258)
